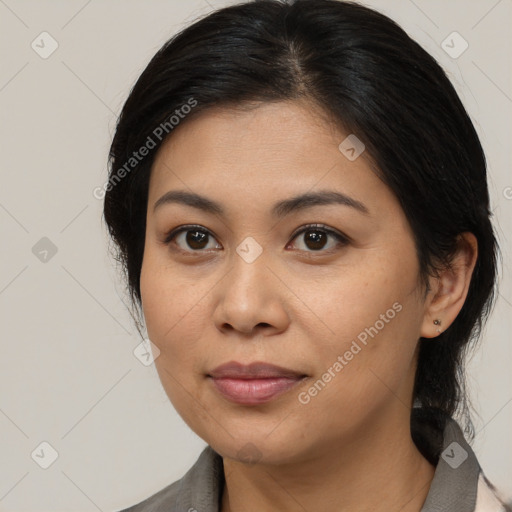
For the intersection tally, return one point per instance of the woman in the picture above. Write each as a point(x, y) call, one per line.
point(299, 200)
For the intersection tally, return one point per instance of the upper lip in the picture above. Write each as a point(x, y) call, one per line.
point(256, 370)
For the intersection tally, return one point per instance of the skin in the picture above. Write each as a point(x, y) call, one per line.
point(349, 448)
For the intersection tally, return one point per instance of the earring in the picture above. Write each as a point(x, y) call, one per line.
point(437, 322)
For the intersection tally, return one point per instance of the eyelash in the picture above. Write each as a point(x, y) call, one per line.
point(341, 239)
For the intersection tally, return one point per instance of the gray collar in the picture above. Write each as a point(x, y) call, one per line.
point(455, 481)
point(201, 487)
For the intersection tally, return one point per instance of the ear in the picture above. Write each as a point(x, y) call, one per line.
point(449, 290)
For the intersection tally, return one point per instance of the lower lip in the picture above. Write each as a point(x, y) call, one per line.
point(254, 391)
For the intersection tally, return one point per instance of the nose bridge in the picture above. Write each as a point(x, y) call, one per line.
point(249, 262)
point(249, 294)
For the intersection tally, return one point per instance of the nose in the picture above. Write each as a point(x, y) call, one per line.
point(251, 299)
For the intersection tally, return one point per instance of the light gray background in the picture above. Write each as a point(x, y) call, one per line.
point(68, 375)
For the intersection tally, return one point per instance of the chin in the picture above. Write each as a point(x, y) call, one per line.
point(256, 449)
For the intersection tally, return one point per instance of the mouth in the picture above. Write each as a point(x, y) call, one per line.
point(253, 384)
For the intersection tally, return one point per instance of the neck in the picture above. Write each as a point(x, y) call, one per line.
point(380, 470)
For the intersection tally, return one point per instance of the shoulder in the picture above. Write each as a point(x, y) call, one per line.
point(459, 483)
point(199, 489)
point(488, 498)
point(159, 501)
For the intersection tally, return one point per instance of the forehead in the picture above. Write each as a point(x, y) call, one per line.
point(283, 148)
point(264, 128)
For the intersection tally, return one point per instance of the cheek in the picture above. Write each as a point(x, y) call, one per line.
point(370, 367)
point(373, 320)
point(174, 310)
point(361, 303)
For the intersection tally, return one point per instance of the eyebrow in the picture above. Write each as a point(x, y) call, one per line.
point(279, 210)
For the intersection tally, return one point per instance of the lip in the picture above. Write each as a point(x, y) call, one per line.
point(256, 370)
point(253, 384)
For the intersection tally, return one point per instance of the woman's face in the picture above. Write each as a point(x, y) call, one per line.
point(243, 285)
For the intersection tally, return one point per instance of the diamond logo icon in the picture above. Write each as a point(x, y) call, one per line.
point(44, 455)
point(352, 147)
point(44, 250)
point(249, 453)
point(454, 455)
point(146, 352)
point(249, 249)
point(454, 45)
point(44, 45)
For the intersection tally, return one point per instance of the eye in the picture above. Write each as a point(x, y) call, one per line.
point(317, 237)
point(197, 238)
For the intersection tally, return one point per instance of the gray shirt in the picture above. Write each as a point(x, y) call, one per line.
point(459, 484)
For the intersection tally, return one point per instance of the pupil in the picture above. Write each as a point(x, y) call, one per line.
point(316, 238)
point(192, 239)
